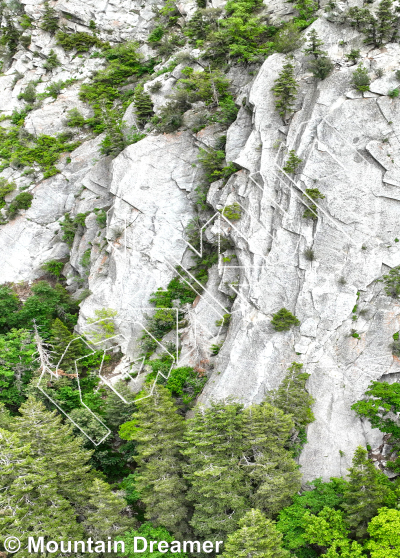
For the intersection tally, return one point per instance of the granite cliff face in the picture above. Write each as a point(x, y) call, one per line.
point(349, 145)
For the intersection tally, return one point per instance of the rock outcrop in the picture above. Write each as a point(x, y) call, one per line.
point(323, 270)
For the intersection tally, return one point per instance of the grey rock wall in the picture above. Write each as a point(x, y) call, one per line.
point(348, 143)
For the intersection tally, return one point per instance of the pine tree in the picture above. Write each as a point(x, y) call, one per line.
point(50, 19)
point(285, 90)
point(143, 104)
point(292, 162)
point(218, 491)
point(158, 429)
point(361, 79)
point(378, 29)
point(315, 195)
point(292, 397)
point(257, 537)
point(116, 411)
point(62, 484)
point(321, 67)
point(365, 493)
point(5, 417)
point(52, 61)
point(30, 502)
point(65, 455)
point(60, 339)
point(103, 512)
point(387, 23)
point(314, 45)
point(270, 469)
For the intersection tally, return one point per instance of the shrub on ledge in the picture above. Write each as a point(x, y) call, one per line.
point(284, 320)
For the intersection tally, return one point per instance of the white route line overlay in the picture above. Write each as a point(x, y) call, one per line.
point(46, 369)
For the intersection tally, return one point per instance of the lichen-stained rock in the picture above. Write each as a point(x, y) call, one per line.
point(152, 181)
point(347, 321)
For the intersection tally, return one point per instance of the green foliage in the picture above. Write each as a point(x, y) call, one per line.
point(215, 349)
point(208, 86)
point(379, 27)
point(80, 41)
point(169, 118)
point(384, 530)
point(202, 24)
point(176, 290)
point(29, 94)
point(227, 111)
point(157, 430)
point(44, 305)
point(70, 226)
point(151, 533)
point(185, 382)
point(364, 479)
point(25, 21)
point(114, 142)
point(52, 61)
point(17, 364)
point(18, 117)
point(55, 88)
point(236, 459)
point(241, 34)
point(143, 104)
point(307, 10)
point(284, 320)
point(50, 19)
point(104, 324)
point(394, 93)
point(291, 519)
point(157, 325)
point(314, 45)
point(107, 98)
point(361, 79)
point(25, 40)
point(53, 267)
point(289, 38)
point(321, 67)
point(285, 90)
point(232, 212)
point(101, 217)
point(9, 304)
point(383, 399)
point(224, 321)
point(353, 55)
point(309, 254)
point(392, 282)
point(292, 163)
point(213, 163)
point(75, 118)
point(9, 34)
point(292, 397)
point(156, 35)
point(21, 201)
point(21, 150)
point(66, 348)
point(73, 491)
point(257, 536)
point(315, 195)
point(329, 530)
point(5, 188)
